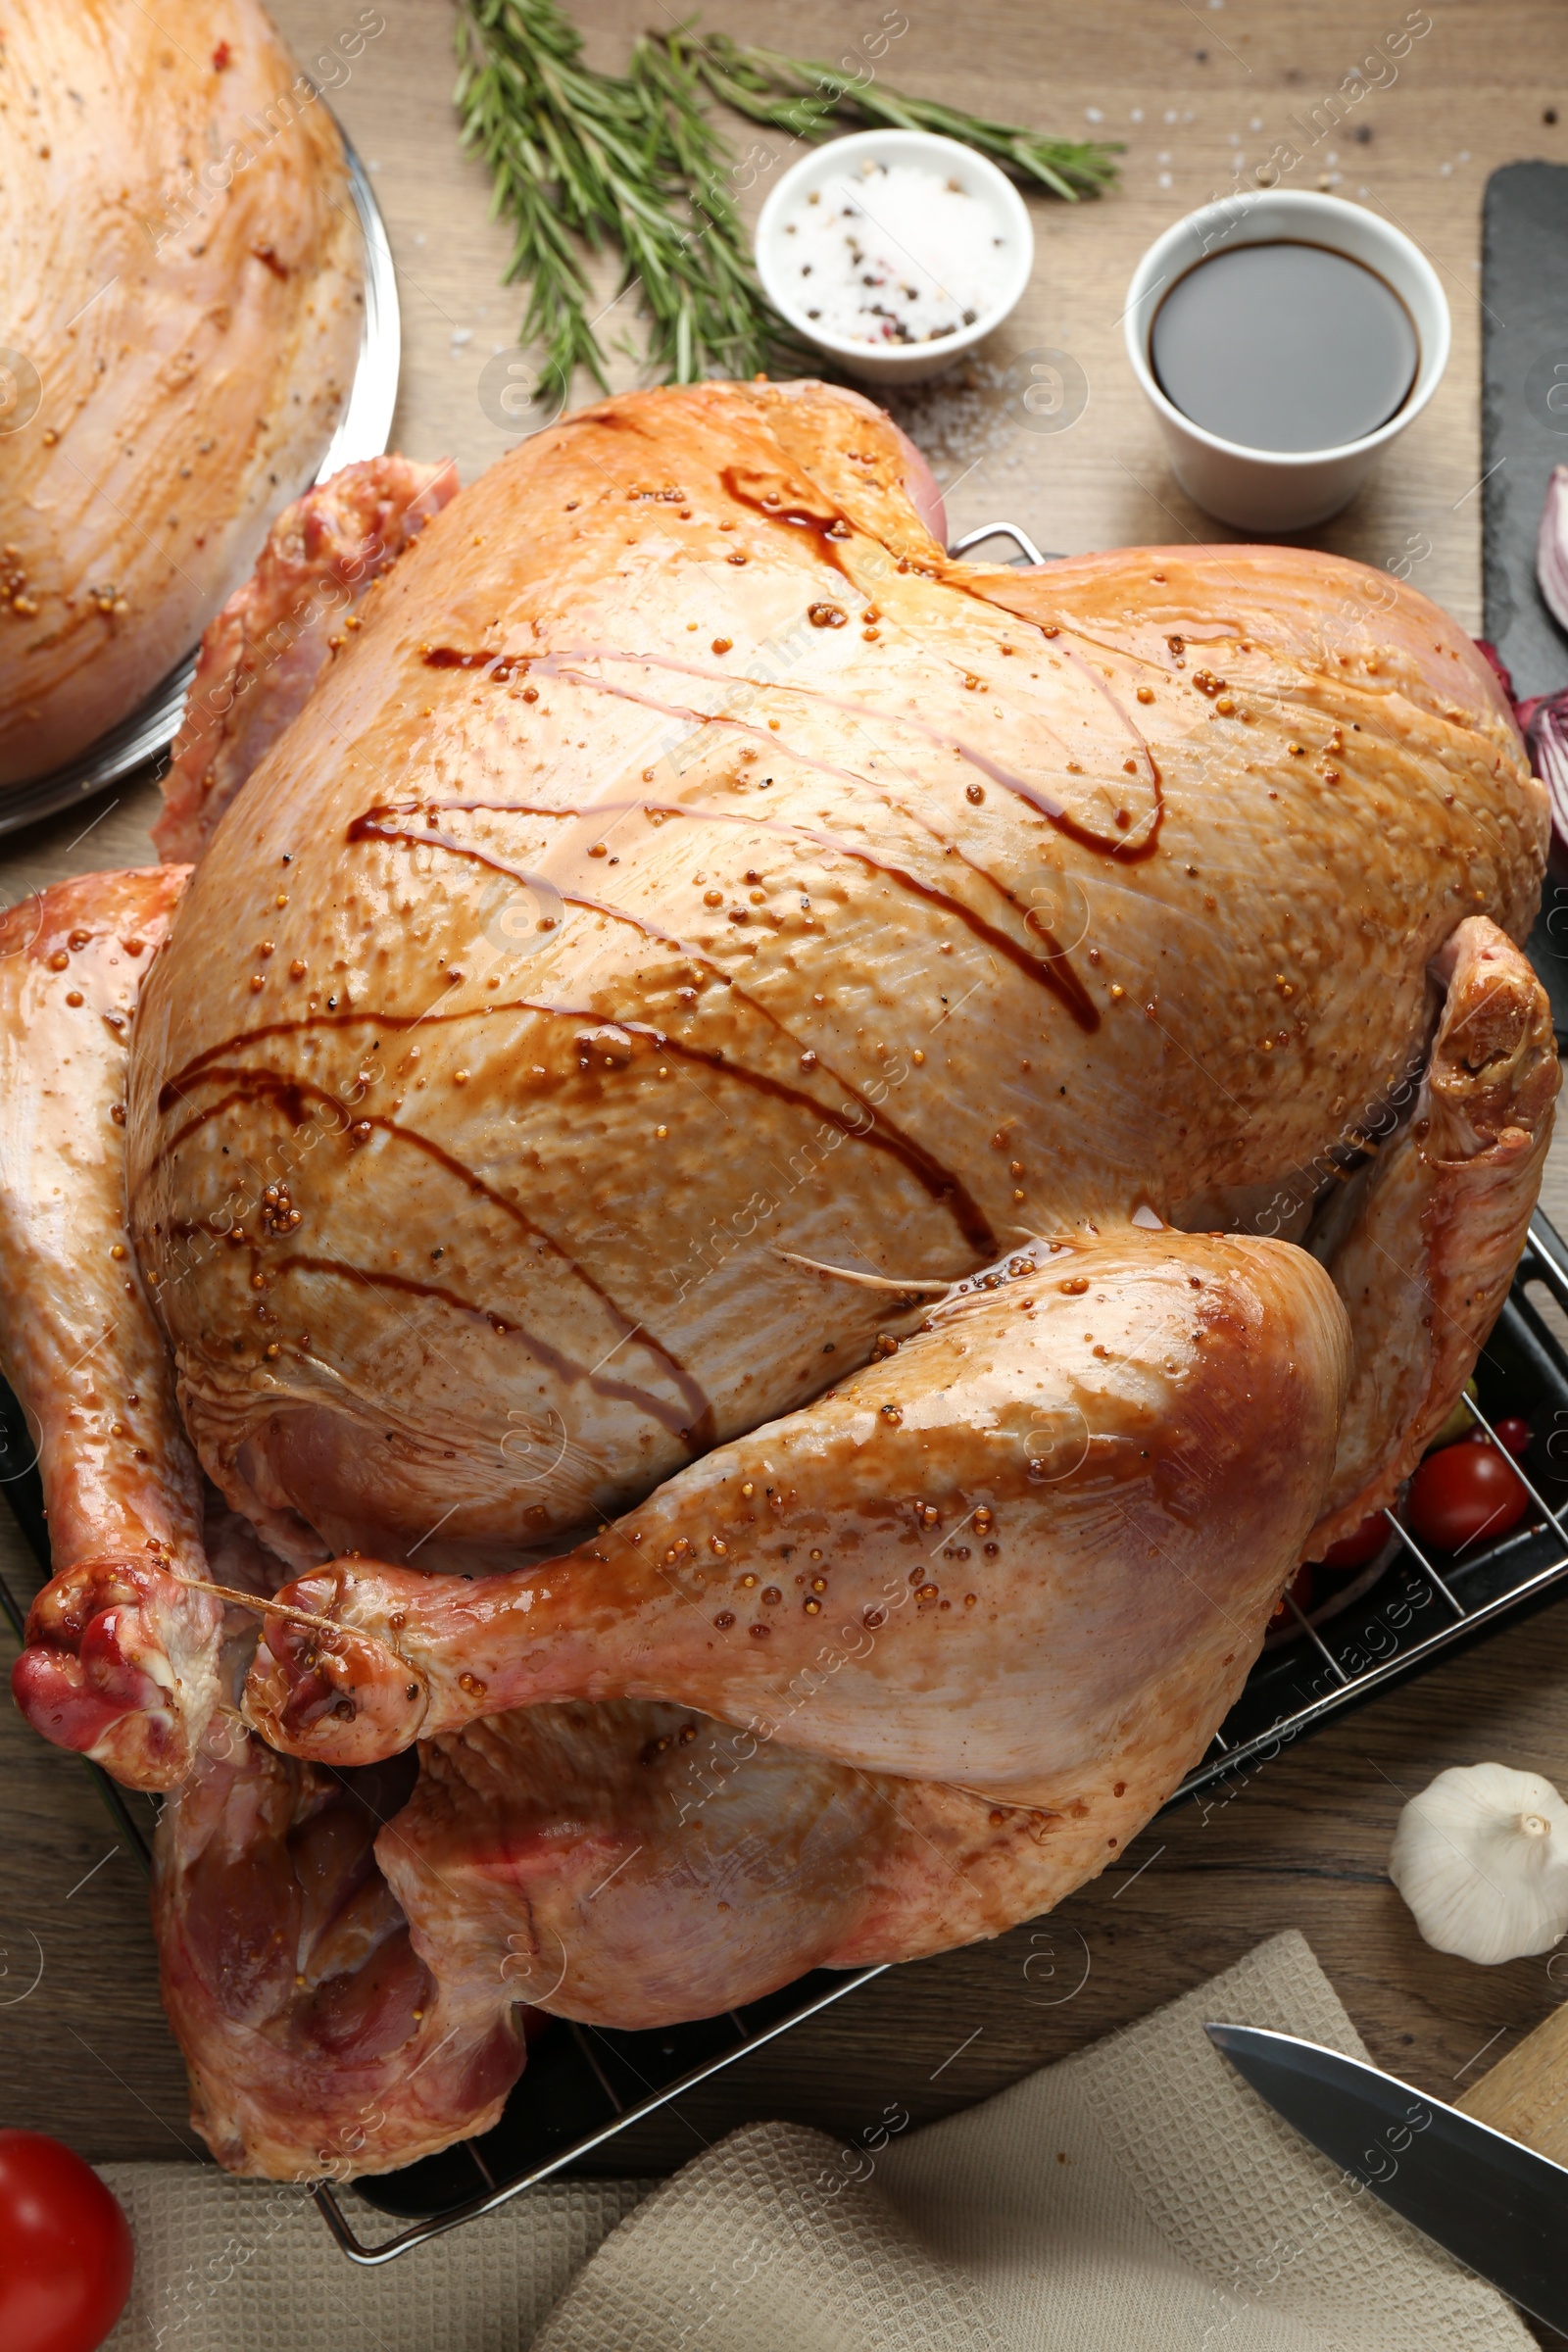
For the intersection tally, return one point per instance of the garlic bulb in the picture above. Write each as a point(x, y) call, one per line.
point(1482, 1860)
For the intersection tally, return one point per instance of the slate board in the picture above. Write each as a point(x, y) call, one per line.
point(1523, 434)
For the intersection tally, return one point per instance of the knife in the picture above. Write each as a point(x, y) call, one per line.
point(1497, 2204)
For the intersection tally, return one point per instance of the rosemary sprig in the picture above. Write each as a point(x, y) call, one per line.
point(636, 163)
point(809, 99)
point(632, 162)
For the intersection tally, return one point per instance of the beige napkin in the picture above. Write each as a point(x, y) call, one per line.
point(1135, 2196)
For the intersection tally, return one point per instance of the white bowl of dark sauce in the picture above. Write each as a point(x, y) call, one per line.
point(1284, 340)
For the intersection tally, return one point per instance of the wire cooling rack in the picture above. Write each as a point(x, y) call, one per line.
point(1416, 1607)
point(1408, 1609)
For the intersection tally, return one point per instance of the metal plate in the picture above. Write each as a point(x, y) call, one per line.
point(362, 433)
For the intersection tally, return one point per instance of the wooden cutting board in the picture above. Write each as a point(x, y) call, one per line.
point(1526, 2093)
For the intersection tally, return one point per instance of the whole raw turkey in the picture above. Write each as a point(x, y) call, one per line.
point(184, 276)
point(762, 1191)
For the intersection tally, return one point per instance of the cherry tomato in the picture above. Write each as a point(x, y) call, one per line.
point(1465, 1493)
point(1513, 1434)
point(65, 2249)
point(1363, 1544)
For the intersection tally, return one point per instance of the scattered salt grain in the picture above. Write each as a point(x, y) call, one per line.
point(901, 256)
point(958, 417)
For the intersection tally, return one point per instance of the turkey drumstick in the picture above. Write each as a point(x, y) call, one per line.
point(1050, 1527)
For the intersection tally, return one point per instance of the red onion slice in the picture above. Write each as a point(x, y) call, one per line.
point(1544, 720)
point(1551, 546)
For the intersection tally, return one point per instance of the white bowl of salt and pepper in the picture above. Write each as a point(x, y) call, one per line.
point(894, 251)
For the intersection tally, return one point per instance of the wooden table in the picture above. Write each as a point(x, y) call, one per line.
point(1191, 88)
